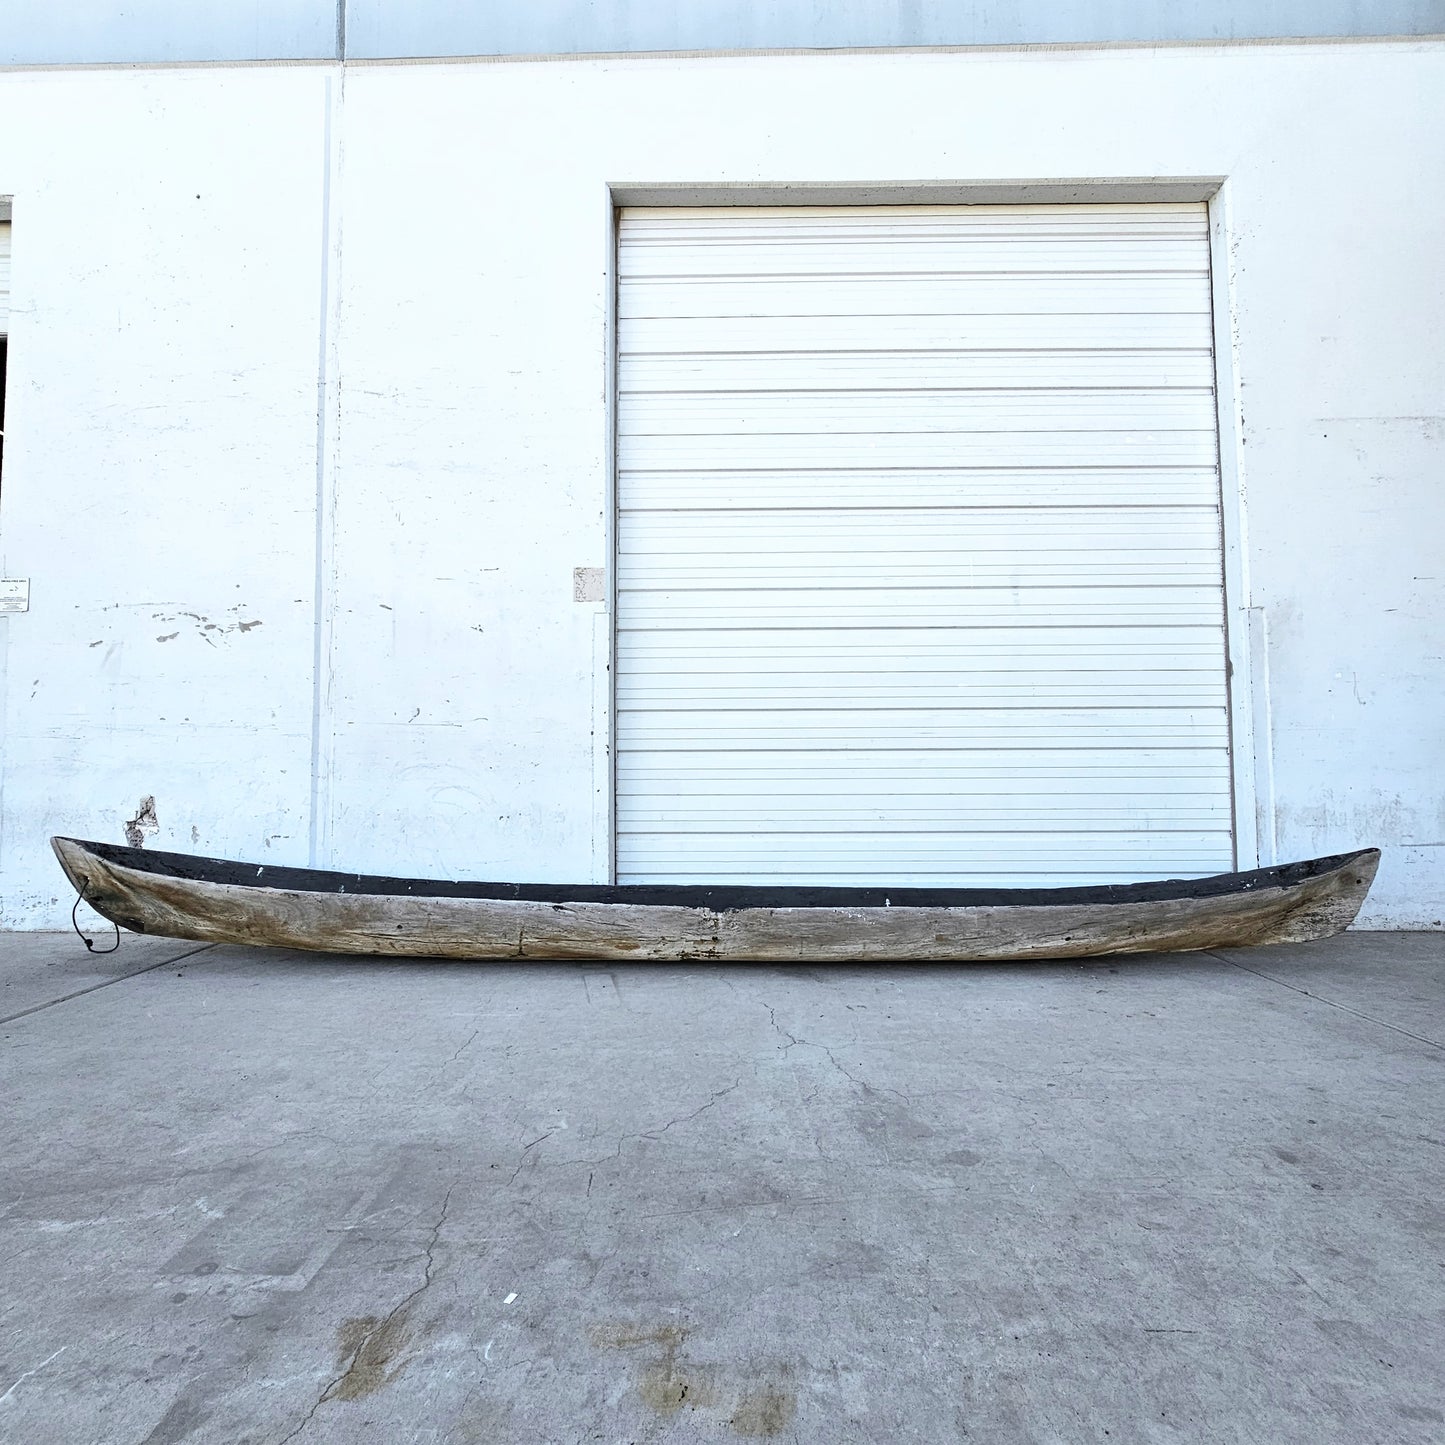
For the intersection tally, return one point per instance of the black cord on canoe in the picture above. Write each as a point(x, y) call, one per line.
point(79, 895)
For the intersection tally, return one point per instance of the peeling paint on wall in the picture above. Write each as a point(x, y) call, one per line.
point(207, 630)
point(589, 584)
point(145, 821)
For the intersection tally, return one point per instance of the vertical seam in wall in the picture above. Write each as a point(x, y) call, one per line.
point(1223, 533)
point(1266, 826)
point(1255, 663)
point(327, 432)
point(341, 28)
point(1238, 637)
point(612, 364)
point(6, 919)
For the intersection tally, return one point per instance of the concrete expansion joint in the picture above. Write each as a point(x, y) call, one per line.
point(381, 1329)
point(106, 983)
point(1328, 1002)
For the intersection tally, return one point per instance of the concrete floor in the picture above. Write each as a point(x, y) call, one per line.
point(263, 1197)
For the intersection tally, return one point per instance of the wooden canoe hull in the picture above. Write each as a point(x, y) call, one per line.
point(215, 901)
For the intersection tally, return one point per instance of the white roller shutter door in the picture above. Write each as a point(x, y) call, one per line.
point(4, 277)
point(919, 559)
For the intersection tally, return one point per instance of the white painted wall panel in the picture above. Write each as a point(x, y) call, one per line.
point(471, 481)
point(160, 464)
point(753, 484)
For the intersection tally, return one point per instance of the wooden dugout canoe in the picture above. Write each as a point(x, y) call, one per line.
point(216, 901)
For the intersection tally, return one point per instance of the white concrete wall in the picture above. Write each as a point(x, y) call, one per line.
point(162, 458)
point(160, 462)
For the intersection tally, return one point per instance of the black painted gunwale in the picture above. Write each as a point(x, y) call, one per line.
point(722, 898)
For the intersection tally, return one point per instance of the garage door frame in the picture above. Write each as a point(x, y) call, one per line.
point(1245, 637)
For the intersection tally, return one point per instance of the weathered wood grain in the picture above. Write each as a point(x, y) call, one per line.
point(413, 926)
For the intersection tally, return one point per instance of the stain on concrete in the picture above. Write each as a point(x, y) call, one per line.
point(183, 1418)
point(668, 1385)
point(965, 1158)
point(1286, 1156)
point(667, 1390)
point(631, 1337)
point(661, 1384)
point(877, 1117)
point(1426, 1414)
point(371, 1353)
point(763, 1412)
point(351, 1336)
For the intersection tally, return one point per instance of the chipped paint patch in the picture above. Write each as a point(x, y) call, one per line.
point(145, 821)
point(589, 584)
